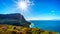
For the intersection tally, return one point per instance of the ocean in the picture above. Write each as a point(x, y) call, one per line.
point(50, 25)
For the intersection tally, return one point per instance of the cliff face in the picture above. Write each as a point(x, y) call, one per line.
point(14, 19)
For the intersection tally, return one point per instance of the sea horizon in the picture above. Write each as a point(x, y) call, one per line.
point(50, 25)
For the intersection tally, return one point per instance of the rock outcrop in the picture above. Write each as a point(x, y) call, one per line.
point(14, 19)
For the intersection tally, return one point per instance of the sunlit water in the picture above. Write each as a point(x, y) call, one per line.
point(51, 25)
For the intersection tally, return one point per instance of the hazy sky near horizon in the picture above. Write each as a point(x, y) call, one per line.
point(37, 9)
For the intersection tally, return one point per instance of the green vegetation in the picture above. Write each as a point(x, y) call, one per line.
point(10, 29)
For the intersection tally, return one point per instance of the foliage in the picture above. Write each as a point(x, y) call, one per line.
point(10, 29)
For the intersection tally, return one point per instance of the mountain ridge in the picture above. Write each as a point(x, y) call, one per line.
point(15, 18)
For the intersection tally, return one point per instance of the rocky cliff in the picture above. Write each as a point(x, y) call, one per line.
point(14, 19)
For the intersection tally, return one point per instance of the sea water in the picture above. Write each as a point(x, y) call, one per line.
point(51, 25)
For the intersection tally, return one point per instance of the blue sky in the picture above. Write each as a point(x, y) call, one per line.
point(40, 10)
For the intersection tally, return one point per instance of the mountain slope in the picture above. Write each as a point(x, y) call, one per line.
point(14, 19)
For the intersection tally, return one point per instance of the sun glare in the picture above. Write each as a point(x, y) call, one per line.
point(22, 5)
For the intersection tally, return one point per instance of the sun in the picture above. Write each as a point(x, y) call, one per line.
point(23, 5)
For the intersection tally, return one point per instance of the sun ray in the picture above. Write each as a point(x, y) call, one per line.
point(24, 5)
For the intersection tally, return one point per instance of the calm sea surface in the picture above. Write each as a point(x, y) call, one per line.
point(51, 25)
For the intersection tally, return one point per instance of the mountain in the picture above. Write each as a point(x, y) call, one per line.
point(14, 19)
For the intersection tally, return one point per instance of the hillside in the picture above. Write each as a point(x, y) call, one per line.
point(10, 29)
point(14, 19)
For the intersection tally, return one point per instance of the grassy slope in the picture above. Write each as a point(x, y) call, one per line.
point(10, 29)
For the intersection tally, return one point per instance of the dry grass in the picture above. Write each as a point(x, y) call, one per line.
point(9, 29)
